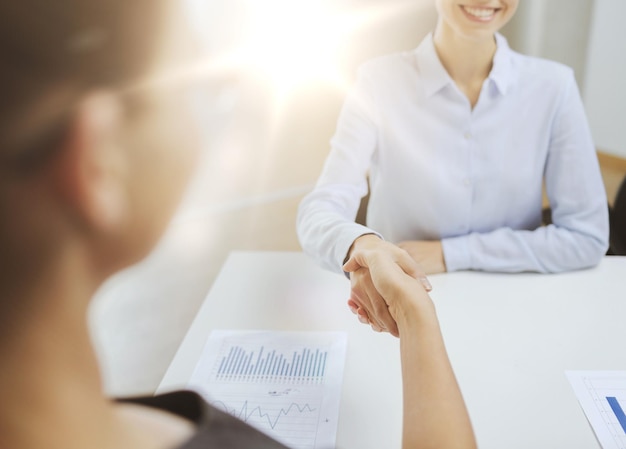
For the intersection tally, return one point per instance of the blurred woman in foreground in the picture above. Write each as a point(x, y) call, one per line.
point(94, 157)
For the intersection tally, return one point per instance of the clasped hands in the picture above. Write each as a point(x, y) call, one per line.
point(416, 258)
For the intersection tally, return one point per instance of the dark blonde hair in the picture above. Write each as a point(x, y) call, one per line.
point(53, 51)
point(52, 54)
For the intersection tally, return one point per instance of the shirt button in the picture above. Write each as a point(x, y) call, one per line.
point(467, 182)
point(468, 135)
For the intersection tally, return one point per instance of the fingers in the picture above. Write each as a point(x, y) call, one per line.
point(369, 305)
point(378, 310)
point(412, 268)
point(353, 264)
point(363, 317)
point(359, 311)
point(364, 294)
point(427, 253)
point(371, 259)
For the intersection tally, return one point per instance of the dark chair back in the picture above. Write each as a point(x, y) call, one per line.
point(617, 239)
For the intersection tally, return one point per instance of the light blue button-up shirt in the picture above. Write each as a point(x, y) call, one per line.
point(472, 178)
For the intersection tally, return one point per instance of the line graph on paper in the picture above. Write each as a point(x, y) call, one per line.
point(286, 384)
point(293, 423)
point(267, 414)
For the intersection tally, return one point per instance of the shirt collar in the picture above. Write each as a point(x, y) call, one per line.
point(432, 73)
point(435, 77)
point(502, 73)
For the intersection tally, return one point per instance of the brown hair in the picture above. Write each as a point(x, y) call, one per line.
point(52, 52)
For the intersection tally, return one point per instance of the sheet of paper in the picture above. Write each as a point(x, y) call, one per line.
point(286, 384)
point(602, 395)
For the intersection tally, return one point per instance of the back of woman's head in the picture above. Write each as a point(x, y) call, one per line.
point(52, 52)
point(53, 55)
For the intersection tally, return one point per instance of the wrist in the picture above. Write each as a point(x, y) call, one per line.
point(359, 242)
point(364, 241)
point(414, 310)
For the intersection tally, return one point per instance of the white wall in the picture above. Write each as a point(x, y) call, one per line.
point(553, 29)
point(525, 31)
point(590, 37)
point(605, 86)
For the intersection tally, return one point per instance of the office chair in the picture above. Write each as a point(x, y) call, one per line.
point(617, 238)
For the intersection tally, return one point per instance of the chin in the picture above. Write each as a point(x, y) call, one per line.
point(478, 35)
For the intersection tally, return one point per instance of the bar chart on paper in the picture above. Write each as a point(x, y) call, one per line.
point(602, 395)
point(286, 384)
point(266, 364)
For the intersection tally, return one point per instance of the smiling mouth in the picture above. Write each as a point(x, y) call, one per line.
point(480, 13)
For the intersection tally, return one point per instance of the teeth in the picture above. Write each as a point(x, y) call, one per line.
point(481, 13)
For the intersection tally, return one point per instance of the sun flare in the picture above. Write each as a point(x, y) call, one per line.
point(290, 44)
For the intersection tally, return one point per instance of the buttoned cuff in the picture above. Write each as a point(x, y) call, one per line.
point(456, 253)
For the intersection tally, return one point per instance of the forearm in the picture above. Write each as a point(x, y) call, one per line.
point(549, 249)
point(326, 228)
point(435, 415)
point(326, 216)
point(434, 412)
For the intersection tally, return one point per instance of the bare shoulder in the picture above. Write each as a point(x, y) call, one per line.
point(153, 427)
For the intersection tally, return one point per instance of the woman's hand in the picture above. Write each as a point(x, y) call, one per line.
point(428, 254)
point(431, 396)
point(393, 278)
point(366, 301)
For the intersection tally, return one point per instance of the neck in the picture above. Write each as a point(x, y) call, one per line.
point(467, 60)
point(49, 382)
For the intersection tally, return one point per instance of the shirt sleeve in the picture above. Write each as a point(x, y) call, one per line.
point(325, 223)
point(578, 237)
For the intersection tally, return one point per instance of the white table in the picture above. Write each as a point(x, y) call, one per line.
point(510, 339)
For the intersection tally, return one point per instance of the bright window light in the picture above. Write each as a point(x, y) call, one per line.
point(289, 44)
point(295, 42)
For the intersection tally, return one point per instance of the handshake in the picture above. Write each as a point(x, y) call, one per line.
point(388, 278)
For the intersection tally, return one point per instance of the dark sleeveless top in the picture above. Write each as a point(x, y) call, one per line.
point(215, 429)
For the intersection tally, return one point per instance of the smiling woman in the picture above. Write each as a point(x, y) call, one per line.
point(454, 141)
